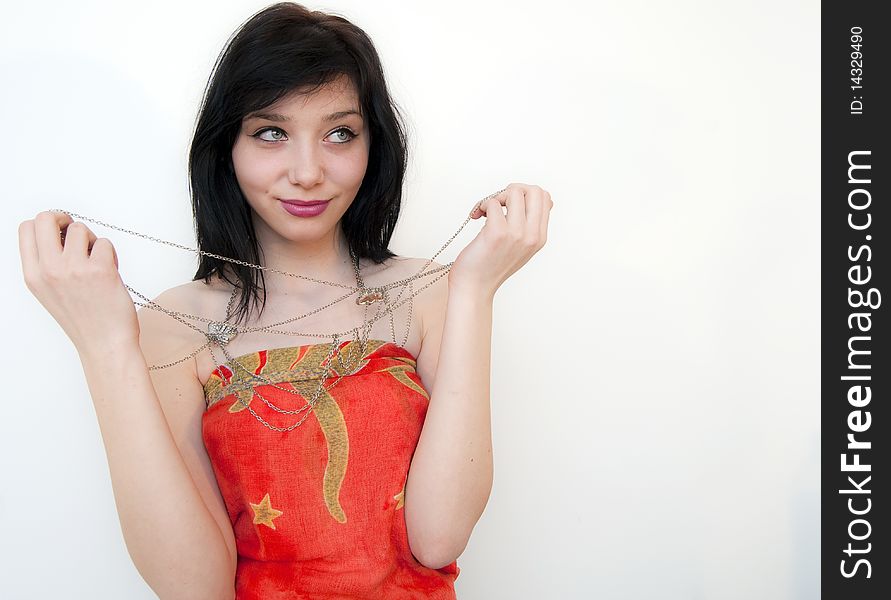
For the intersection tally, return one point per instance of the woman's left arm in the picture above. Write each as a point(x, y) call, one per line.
point(451, 473)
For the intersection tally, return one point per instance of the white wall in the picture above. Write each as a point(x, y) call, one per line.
point(655, 371)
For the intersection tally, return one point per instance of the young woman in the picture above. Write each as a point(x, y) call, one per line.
point(285, 444)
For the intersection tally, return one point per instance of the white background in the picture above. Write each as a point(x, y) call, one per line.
point(655, 390)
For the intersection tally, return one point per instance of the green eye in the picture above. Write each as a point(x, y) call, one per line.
point(348, 132)
point(271, 129)
point(275, 131)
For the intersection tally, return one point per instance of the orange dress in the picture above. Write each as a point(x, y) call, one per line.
point(317, 511)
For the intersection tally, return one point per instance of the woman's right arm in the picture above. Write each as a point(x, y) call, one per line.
point(173, 519)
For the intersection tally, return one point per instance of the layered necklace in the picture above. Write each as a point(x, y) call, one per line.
point(220, 333)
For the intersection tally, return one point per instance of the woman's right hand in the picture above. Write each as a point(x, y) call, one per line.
point(75, 277)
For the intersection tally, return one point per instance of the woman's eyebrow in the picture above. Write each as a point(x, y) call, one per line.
point(279, 118)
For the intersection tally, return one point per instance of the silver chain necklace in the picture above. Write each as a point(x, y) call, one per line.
point(221, 332)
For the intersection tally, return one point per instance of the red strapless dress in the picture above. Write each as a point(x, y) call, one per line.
point(318, 511)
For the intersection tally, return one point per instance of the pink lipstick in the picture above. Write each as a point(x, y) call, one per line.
point(305, 208)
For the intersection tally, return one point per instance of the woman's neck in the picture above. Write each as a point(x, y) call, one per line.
point(326, 260)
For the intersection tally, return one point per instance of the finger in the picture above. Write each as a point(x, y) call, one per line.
point(79, 240)
point(500, 196)
point(494, 216)
point(546, 214)
point(103, 251)
point(28, 248)
point(535, 201)
point(48, 228)
point(478, 210)
point(516, 208)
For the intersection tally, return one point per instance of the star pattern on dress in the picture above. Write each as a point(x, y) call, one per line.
point(400, 499)
point(264, 513)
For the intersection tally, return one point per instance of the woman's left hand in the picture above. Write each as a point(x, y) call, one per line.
point(506, 241)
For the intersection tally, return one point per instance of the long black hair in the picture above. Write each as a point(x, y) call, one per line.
point(283, 48)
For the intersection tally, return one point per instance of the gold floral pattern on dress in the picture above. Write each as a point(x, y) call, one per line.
point(400, 498)
point(297, 368)
point(334, 427)
point(281, 365)
point(399, 372)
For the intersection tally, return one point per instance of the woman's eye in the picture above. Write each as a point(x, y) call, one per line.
point(277, 134)
point(349, 133)
point(274, 130)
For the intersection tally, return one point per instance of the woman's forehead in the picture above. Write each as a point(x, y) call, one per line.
point(331, 101)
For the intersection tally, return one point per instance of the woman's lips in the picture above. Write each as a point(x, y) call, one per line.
point(304, 208)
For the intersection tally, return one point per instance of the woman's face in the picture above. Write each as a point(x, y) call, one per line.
point(306, 148)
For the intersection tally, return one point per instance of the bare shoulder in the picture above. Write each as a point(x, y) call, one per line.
point(162, 336)
point(431, 286)
point(434, 296)
point(430, 303)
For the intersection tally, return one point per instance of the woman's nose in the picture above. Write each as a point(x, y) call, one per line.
point(305, 167)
